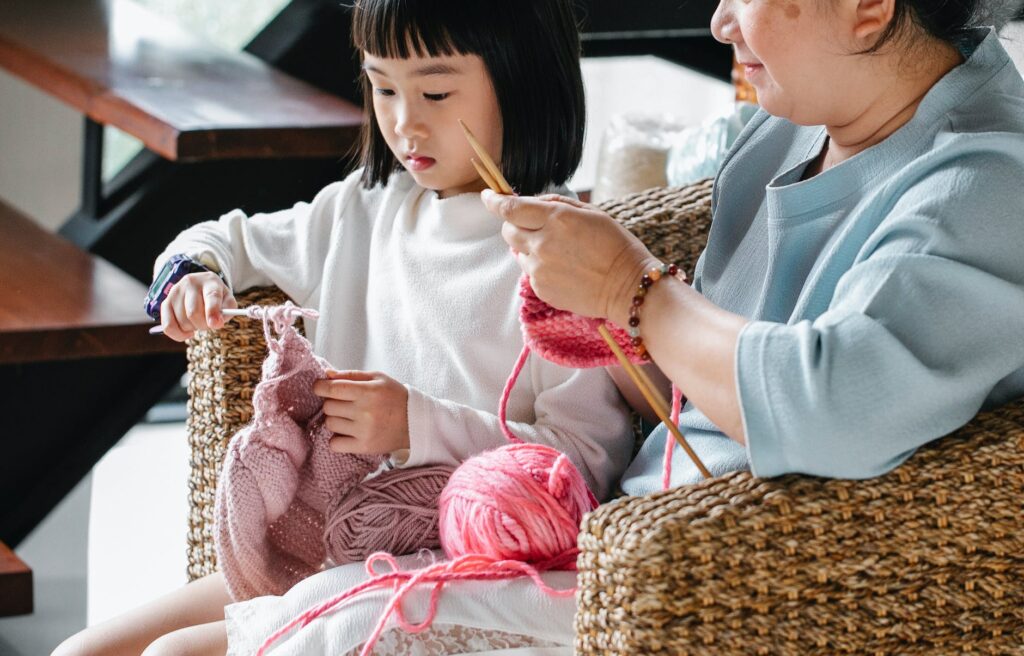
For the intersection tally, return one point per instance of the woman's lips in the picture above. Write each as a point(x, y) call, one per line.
point(751, 70)
point(416, 163)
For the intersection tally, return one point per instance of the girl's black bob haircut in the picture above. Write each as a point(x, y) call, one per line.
point(531, 49)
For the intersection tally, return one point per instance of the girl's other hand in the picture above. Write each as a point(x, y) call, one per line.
point(366, 411)
point(578, 258)
point(195, 303)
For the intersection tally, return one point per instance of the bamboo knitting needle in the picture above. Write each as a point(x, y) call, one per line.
point(653, 397)
point(503, 187)
point(491, 182)
point(492, 177)
point(157, 330)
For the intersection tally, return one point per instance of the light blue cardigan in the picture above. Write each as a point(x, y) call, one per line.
point(886, 293)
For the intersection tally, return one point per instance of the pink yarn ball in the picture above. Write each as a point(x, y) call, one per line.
point(519, 502)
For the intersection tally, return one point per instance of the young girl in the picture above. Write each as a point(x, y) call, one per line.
point(416, 290)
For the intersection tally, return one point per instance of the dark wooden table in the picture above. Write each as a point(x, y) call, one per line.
point(15, 584)
point(185, 99)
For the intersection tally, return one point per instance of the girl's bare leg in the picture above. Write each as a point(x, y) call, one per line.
point(200, 602)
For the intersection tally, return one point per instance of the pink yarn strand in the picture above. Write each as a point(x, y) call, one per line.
point(469, 567)
point(507, 392)
point(677, 402)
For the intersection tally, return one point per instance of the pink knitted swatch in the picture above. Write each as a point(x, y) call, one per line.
point(281, 483)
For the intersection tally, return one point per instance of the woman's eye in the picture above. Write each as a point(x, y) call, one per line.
point(436, 96)
point(383, 92)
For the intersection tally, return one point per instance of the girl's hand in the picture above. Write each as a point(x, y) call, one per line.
point(366, 411)
point(195, 303)
point(578, 258)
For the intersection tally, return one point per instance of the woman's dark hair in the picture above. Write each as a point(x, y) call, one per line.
point(531, 49)
point(946, 20)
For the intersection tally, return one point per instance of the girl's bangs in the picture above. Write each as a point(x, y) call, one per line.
point(397, 30)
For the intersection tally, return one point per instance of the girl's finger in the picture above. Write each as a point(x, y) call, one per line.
point(339, 409)
point(347, 444)
point(213, 302)
point(341, 426)
point(172, 328)
point(350, 374)
point(195, 312)
point(340, 390)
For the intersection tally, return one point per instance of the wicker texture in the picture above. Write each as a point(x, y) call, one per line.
point(223, 368)
point(928, 559)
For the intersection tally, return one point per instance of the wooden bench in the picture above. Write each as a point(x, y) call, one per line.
point(58, 302)
point(184, 98)
point(15, 584)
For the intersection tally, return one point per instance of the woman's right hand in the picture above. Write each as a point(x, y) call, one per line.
point(195, 303)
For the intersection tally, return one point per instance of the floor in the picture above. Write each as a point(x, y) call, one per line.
point(87, 554)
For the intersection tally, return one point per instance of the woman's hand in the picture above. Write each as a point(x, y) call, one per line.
point(195, 303)
point(578, 258)
point(366, 411)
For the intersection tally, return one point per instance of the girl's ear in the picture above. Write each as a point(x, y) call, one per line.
point(872, 17)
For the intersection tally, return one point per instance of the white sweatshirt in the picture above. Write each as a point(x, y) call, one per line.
point(424, 290)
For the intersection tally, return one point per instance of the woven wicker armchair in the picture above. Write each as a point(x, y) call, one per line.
point(928, 559)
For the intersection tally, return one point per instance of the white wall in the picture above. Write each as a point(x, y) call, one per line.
point(40, 153)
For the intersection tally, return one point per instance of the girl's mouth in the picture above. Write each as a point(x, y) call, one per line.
point(415, 163)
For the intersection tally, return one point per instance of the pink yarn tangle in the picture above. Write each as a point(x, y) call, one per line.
point(519, 502)
point(281, 316)
point(395, 511)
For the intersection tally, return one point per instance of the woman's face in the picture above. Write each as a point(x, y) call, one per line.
point(419, 101)
point(795, 53)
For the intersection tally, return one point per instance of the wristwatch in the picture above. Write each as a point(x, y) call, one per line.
point(176, 268)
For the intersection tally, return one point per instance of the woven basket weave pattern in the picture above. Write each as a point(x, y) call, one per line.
point(928, 559)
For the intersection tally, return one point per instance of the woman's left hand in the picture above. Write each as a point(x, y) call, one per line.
point(578, 258)
point(366, 411)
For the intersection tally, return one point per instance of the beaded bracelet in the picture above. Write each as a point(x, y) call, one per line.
point(646, 281)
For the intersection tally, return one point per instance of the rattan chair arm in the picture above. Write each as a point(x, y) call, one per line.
point(918, 560)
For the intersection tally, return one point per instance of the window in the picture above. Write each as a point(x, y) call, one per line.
point(230, 25)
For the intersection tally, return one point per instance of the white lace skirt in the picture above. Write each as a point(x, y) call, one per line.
point(482, 618)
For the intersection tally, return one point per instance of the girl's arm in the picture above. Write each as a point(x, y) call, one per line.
point(286, 248)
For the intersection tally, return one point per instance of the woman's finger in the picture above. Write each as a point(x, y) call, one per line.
point(558, 198)
point(526, 212)
point(339, 390)
point(521, 241)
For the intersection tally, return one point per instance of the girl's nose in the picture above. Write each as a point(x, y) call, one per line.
point(723, 23)
point(409, 125)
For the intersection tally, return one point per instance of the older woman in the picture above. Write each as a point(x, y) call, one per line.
point(862, 290)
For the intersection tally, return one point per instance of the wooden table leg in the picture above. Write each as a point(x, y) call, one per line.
point(15, 584)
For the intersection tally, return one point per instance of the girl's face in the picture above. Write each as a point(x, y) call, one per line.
point(418, 102)
point(796, 55)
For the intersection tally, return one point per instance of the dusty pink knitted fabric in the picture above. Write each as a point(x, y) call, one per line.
point(281, 484)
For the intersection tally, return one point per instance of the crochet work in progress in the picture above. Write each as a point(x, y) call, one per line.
point(287, 506)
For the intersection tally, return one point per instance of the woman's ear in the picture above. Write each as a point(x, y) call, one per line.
point(872, 17)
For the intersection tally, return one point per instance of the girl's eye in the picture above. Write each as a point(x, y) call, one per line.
point(436, 97)
point(384, 92)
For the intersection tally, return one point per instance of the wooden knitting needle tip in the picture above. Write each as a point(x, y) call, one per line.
point(486, 160)
point(485, 176)
point(658, 403)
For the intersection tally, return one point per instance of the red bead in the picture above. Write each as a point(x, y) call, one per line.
point(637, 341)
point(634, 321)
point(638, 300)
point(672, 269)
point(646, 282)
point(645, 355)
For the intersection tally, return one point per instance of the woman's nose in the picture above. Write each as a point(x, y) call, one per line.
point(723, 23)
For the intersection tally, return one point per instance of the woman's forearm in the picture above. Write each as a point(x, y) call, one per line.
point(693, 341)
